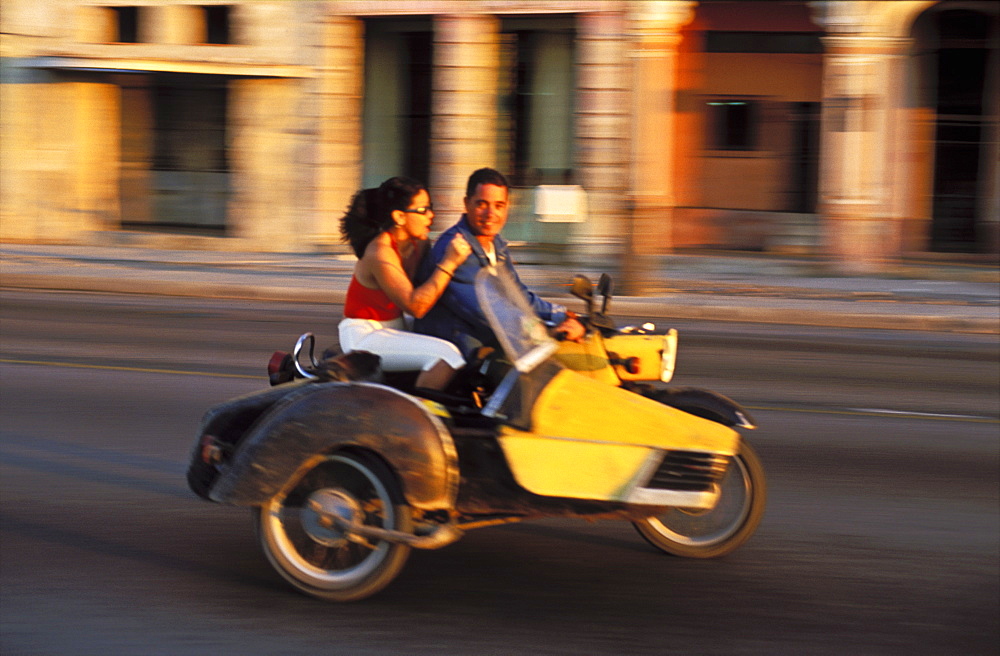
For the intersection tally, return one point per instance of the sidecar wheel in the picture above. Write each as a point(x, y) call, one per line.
point(716, 531)
point(313, 554)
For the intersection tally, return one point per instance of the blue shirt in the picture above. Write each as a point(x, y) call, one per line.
point(456, 316)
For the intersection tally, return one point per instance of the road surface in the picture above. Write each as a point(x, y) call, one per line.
point(881, 535)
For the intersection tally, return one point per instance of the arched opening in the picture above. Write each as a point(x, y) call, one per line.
point(958, 53)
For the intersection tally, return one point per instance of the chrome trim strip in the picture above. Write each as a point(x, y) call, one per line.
point(684, 499)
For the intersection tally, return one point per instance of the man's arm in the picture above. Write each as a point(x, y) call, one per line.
point(552, 313)
point(564, 323)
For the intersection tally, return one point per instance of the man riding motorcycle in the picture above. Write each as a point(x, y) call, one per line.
point(457, 316)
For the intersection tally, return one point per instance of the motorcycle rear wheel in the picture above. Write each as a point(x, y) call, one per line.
point(314, 555)
point(719, 530)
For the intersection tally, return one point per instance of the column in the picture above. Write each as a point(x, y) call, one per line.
point(338, 156)
point(96, 167)
point(263, 119)
point(655, 33)
point(175, 24)
point(465, 87)
point(861, 141)
point(602, 128)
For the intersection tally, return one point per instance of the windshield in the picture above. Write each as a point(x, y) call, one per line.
point(522, 334)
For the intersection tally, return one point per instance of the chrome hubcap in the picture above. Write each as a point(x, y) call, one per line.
point(323, 507)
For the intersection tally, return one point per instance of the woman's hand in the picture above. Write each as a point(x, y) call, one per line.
point(458, 250)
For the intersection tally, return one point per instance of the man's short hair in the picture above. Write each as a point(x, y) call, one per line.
point(485, 176)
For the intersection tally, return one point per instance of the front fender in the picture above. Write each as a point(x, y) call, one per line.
point(325, 417)
point(706, 404)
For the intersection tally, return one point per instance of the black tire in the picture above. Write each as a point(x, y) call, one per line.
point(719, 530)
point(318, 559)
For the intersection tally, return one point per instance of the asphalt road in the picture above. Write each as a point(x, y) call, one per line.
point(881, 535)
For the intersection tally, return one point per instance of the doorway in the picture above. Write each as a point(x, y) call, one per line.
point(962, 62)
point(804, 173)
point(397, 99)
point(175, 161)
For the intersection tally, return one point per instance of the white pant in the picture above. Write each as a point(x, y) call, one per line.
point(400, 350)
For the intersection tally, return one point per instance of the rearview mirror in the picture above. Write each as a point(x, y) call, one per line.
point(606, 288)
point(582, 288)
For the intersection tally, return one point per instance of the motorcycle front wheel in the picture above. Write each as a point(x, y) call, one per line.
point(310, 551)
point(716, 531)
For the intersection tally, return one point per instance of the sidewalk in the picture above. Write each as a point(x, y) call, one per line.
point(718, 287)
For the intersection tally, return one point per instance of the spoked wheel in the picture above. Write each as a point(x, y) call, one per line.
point(716, 531)
point(308, 548)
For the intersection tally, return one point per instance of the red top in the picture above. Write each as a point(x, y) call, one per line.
point(367, 303)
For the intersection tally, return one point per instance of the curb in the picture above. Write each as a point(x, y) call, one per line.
point(911, 320)
point(679, 307)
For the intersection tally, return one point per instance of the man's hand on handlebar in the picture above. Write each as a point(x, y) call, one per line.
point(570, 329)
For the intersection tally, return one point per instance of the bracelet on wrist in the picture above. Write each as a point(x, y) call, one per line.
point(450, 274)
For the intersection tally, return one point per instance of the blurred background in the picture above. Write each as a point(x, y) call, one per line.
point(819, 180)
point(861, 132)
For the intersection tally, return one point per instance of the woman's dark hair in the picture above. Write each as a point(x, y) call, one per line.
point(371, 211)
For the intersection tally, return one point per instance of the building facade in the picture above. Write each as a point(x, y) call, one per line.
point(861, 131)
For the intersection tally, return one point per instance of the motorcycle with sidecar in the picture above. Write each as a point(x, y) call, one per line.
point(347, 468)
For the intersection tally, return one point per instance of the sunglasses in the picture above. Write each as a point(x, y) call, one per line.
point(421, 210)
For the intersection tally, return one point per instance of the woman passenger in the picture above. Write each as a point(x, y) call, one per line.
point(387, 229)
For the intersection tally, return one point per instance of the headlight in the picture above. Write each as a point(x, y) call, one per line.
point(669, 358)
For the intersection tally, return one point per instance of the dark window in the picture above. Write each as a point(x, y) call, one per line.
point(538, 102)
point(417, 157)
point(769, 42)
point(217, 24)
point(399, 56)
point(732, 124)
point(522, 107)
point(190, 120)
point(127, 22)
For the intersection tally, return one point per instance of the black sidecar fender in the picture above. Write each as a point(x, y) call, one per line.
point(325, 417)
point(706, 404)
